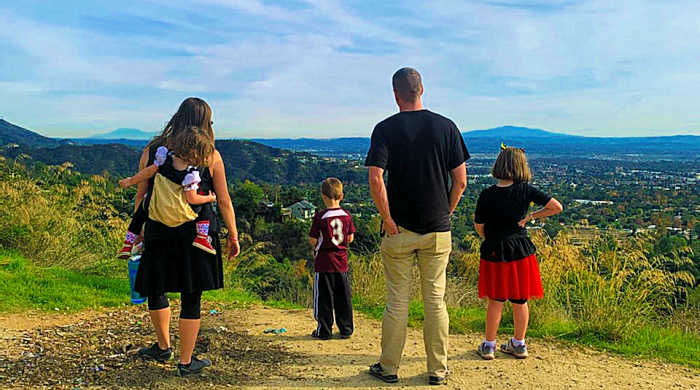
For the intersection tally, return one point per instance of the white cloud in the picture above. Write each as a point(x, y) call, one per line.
point(324, 68)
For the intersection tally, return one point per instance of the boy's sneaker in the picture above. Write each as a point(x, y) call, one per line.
point(125, 252)
point(519, 351)
point(377, 371)
point(486, 351)
point(195, 367)
point(315, 335)
point(155, 353)
point(203, 243)
point(345, 336)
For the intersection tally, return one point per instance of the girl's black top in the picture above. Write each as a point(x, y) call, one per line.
point(500, 209)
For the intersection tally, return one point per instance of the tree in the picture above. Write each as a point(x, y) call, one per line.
point(247, 197)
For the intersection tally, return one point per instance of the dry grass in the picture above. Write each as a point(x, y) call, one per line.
point(51, 223)
point(609, 288)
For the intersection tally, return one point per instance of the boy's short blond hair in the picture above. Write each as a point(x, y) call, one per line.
point(511, 164)
point(332, 188)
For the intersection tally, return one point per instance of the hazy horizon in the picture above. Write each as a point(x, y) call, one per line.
point(126, 128)
point(315, 68)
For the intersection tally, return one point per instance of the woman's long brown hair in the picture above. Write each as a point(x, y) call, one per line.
point(192, 112)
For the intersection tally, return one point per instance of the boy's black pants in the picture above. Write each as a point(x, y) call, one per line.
point(332, 293)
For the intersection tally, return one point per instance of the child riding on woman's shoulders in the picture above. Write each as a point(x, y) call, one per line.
point(176, 173)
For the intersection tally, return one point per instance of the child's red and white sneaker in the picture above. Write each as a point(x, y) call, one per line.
point(125, 252)
point(203, 243)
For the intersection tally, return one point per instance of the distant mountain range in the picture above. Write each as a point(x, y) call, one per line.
point(514, 132)
point(536, 142)
point(284, 160)
point(244, 160)
point(126, 133)
point(361, 144)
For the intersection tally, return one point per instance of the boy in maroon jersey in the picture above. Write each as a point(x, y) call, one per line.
point(331, 232)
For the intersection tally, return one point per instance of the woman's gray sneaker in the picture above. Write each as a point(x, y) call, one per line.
point(486, 351)
point(155, 353)
point(195, 367)
point(519, 351)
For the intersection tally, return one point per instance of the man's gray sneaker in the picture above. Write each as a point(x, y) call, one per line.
point(377, 371)
point(155, 353)
point(195, 367)
point(486, 351)
point(519, 351)
point(435, 380)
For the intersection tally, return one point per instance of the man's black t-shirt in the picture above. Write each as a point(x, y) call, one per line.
point(418, 149)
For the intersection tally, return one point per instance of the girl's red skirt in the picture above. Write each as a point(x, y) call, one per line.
point(517, 279)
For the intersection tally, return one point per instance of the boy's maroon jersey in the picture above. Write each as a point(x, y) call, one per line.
point(332, 227)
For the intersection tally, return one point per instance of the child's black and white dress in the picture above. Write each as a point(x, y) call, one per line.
point(508, 268)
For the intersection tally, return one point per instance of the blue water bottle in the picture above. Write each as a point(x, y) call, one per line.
point(134, 261)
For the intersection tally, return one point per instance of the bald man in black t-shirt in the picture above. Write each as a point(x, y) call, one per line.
point(422, 152)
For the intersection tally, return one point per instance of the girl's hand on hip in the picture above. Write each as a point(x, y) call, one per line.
point(233, 247)
point(524, 221)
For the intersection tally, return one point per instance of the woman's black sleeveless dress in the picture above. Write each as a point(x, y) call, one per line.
point(169, 262)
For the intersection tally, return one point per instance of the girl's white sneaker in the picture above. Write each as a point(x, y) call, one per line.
point(486, 351)
point(519, 351)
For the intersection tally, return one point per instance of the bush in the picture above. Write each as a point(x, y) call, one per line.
point(52, 223)
point(271, 279)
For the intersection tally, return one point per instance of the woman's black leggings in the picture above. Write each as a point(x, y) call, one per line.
point(190, 304)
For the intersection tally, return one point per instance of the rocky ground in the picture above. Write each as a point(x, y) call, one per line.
point(97, 349)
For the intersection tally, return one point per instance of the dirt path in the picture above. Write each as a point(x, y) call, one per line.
point(97, 350)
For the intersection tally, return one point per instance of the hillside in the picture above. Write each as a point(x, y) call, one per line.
point(13, 134)
point(261, 163)
point(244, 160)
point(269, 161)
point(59, 231)
point(117, 159)
point(332, 146)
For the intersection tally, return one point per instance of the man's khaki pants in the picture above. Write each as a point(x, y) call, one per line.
point(399, 251)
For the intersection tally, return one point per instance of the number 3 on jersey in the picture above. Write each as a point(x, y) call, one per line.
point(337, 226)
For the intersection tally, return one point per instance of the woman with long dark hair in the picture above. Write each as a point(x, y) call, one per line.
point(170, 263)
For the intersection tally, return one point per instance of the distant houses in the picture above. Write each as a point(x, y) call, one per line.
point(302, 209)
point(274, 212)
point(593, 202)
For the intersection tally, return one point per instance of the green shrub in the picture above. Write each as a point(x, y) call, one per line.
point(51, 223)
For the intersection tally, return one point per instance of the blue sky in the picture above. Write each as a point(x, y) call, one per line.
point(323, 68)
